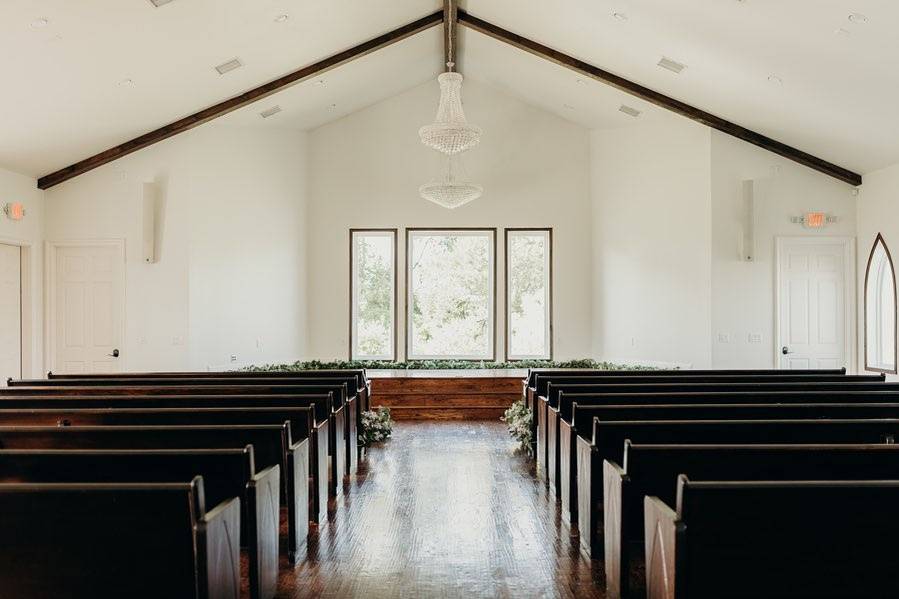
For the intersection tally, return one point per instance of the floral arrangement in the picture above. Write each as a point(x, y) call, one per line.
point(518, 420)
point(377, 426)
point(440, 365)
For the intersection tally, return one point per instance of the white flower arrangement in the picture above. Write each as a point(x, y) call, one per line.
point(518, 420)
point(377, 426)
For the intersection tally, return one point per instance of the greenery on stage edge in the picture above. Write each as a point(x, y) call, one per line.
point(377, 426)
point(518, 421)
point(442, 365)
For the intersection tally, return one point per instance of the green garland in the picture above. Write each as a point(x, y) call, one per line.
point(441, 365)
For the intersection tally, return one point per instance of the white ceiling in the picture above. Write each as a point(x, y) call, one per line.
point(62, 100)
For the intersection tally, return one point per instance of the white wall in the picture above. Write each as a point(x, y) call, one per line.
point(877, 213)
point(231, 253)
point(365, 171)
point(651, 243)
point(28, 233)
point(743, 292)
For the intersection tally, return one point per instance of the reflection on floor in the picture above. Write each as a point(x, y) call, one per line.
point(444, 509)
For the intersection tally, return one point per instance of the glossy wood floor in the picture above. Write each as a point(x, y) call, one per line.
point(444, 509)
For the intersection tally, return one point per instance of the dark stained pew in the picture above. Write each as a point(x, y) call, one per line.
point(363, 385)
point(108, 541)
point(541, 382)
point(346, 415)
point(119, 413)
point(798, 539)
point(226, 473)
point(272, 446)
point(573, 417)
point(548, 417)
point(609, 437)
point(652, 470)
point(212, 396)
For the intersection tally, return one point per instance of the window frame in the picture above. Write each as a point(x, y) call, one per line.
point(879, 240)
point(393, 233)
point(410, 231)
point(549, 308)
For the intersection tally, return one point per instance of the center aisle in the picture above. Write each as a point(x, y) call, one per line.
point(444, 509)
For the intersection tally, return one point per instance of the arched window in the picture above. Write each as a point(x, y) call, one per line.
point(880, 310)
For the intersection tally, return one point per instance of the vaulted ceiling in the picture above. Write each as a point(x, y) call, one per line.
point(80, 77)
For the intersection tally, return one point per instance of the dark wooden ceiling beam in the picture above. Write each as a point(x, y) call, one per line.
point(222, 108)
point(659, 99)
point(450, 22)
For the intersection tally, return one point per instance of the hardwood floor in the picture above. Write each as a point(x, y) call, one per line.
point(444, 509)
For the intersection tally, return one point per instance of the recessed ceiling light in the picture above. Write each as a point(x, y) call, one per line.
point(858, 18)
point(319, 82)
point(841, 31)
point(281, 18)
point(671, 65)
point(568, 106)
point(39, 23)
point(620, 16)
point(332, 106)
point(229, 66)
point(158, 3)
point(270, 111)
point(126, 83)
point(629, 110)
point(581, 82)
point(775, 80)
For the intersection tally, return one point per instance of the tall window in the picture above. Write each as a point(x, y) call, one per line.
point(528, 294)
point(451, 289)
point(373, 294)
point(880, 310)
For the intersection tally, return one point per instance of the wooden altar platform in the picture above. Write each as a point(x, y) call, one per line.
point(446, 394)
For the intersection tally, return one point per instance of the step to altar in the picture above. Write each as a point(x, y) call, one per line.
point(446, 394)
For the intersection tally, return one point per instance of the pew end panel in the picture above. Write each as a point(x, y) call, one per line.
point(589, 476)
point(661, 536)
point(568, 472)
point(264, 509)
point(320, 469)
point(337, 451)
point(539, 404)
point(218, 553)
point(552, 450)
point(352, 434)
point(614, 506)
point(299, 498)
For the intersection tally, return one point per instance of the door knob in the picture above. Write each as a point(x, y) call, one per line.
point(785, 350)
point(115, 353)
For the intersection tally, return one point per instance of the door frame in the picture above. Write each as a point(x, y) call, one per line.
point(849, 290)
point(26, 299)
point(50, 253)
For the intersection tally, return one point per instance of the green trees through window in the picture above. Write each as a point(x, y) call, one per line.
point(373, 295)
point(451, 285)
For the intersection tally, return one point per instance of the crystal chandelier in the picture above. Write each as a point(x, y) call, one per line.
point(449, 191)
point(450, 133)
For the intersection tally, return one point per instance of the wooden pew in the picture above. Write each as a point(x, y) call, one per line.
point(568, 427)
point(609, 437)
point(548, 417)
point(272, 446)
point(363, 385)
point(323, 472)
point(798, 539)
point(652, 470)
point(542, 380)
point(301, 419)
point(346, 417)
point(108, 541)
point(226, 473)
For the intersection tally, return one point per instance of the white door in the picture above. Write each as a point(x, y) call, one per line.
point(10, 312)
point(812, 310)
point(89, 291)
